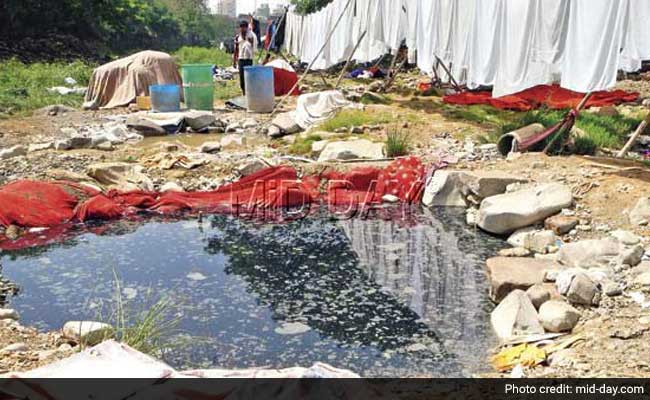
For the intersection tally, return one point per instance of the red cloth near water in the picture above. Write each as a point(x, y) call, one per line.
point(551, 96)
point(32, 204)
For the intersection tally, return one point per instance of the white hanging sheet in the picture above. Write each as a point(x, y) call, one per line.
point(517, 67)
point(594, 40)
point(484, 43)
point(426, 34)
point(637, 39)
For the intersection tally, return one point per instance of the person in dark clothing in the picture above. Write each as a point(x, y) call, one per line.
point(245, 47)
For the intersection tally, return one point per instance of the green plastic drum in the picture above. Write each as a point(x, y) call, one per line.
point(198, 87)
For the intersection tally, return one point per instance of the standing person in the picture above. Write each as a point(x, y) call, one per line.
point(245, 48)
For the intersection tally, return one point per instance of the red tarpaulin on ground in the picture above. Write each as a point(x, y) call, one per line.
point(32, 204)
point(551, 96)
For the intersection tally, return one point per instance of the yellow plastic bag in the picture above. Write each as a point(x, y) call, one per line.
point(524, 354)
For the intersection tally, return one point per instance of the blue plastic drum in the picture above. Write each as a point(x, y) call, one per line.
point(165, 98)
point(260, 90)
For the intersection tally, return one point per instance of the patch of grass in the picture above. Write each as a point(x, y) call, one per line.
point(148, 330)
point(203, 55)
point(302, 145)
point(599, 131)
point(350, 118)
point(226, 90)
point(24, 87)
point(374, 98)
point(398, 143)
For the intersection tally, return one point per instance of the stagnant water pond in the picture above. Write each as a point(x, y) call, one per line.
point(382, 297)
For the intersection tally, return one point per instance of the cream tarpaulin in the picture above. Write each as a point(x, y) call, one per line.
point(118, 83)
point(511, 45)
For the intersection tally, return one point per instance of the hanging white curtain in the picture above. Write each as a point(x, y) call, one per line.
point(484, 43)
point(637, 40)
point(593, 46)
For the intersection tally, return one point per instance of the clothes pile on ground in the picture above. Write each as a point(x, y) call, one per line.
point(368, 73)
point(224, 74)
point(71, 88)
point(284, 78)
point(59, 205)
point(549, 96)
point(119, 83)
point(511, 45)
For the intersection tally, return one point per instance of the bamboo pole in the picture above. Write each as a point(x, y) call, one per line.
point(448, 72)
point(304, 75)
point(639, 131)
point(394, 75)
point(349, 60)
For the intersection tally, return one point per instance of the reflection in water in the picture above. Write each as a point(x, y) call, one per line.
point(367, 295)
point(436, 268)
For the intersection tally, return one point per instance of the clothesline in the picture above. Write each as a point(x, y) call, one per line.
point(511, 45)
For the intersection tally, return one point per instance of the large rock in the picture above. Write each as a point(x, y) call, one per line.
point(9, 313)
point(445, 189)
point(199, 120)
point(515, 316)
point(352, 149)
point(11, 152)
point(484, 184)
point(87, 332)
point(145, 126)
point(583, 291)
point(286, 123)
point(121, 176)
point(561, 224)
point(538, 294)
point(557, 316)
point(640, 214)
point(589, 253)
point(250, 167)
point(506, 274)
point(508, 212)
point(451, 188)
point(533, 240)
point(210, 147)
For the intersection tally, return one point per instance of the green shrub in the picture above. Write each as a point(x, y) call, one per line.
point(351, 118)
point(398, 144)
point(203, 55)
point(24, 87)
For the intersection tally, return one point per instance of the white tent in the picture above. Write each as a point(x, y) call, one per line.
point(511, 45)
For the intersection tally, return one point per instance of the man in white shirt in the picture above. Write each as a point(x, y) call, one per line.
point(245, 48)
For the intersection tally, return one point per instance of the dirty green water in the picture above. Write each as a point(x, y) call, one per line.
point(379, 297)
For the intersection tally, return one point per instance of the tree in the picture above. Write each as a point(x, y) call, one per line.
point(309, 6)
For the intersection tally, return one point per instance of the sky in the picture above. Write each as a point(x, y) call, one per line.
point(247, 6)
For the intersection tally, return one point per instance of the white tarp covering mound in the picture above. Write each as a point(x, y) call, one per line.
point(512, 45)
point(314, 108)
point(114, 360)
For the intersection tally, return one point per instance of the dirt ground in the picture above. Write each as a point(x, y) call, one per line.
point(617, 334)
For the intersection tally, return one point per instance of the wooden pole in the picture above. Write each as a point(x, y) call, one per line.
point(349, 60)
point(394, 75)
point(448, 72)
point(639, 131)
point(304, 75)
